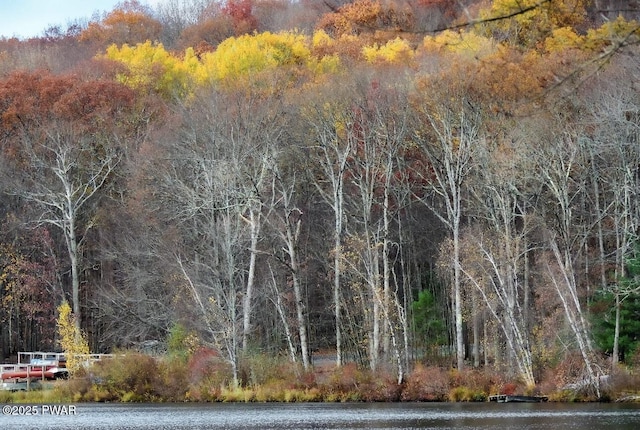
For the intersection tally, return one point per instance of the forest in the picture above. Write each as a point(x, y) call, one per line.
point(381, 183)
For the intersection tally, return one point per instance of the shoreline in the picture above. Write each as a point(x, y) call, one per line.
point(205, 378)
point(57, 393)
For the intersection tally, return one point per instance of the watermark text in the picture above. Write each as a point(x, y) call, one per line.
point(32, 410)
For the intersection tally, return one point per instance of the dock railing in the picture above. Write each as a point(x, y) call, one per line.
point(39, 363)
point(57, 357)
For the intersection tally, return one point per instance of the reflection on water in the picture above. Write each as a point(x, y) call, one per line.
point(336, 416)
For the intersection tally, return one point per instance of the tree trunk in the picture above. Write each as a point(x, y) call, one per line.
point(72, 246)
point(283, 318)
point(615, 355)
point(457, 297)
point(373, 282)
point(292, 239)
point(476, 330)
point(254, 223)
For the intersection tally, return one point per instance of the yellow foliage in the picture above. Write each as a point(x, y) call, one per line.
point(350, 18)
point(558, 13)
point(507, 7)
point(459, 42)
point(541, 18)
point(608, 34)
point(321, 39)
point(72, 340)
point(394, 51)
point(151, 67)
point(563, 38)
point(8, 271)
point(246, 54)
point(326, 65)
point(612, 32)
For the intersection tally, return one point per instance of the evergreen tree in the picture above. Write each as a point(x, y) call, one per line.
point(604, 312)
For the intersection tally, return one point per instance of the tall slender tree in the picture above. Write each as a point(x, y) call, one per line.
point(333, 143)
point(448, 140)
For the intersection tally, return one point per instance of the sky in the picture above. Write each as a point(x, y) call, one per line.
point(29, 18)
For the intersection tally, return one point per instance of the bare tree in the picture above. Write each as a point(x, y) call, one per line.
point(557, 162)
point(380, 129)
point(334, 148)
point(448, 145)
point(212, 188)
point(286, 219)
point(211, 254)
point(67, 175)
point(176, 15)
point(495, 259)
point(136, 271)
point(280, 308)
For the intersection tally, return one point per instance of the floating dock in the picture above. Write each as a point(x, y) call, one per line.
point(40, 366)
point(507, 398)
point(31, 368)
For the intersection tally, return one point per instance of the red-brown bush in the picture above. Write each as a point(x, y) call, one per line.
point(426, 384)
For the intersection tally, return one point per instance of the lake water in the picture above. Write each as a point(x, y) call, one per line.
point(394, 416)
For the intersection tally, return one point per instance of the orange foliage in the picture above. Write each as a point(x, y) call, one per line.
point(241, 14)
point(31, 103)
point(207, 34)
point(426, 384)
point(448, 8)
point(129, 22)
point(499, 82)
point(368, 17)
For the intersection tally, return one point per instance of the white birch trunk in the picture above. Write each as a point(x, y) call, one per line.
point(254, 225)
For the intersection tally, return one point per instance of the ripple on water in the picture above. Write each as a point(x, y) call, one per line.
point(391, 416)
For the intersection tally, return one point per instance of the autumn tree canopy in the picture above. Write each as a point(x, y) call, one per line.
point(130, 22)
point(388, 182)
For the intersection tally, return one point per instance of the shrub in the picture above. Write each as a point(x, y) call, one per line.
point(343, 379)
point(179, 342)
point(312, 395)
point(98, 394)
point(348, 383)
point(131, 397)
point(5, 397)
point(563, 396)
point(379, 386)
point(548, 383)
point(271, 392)
point(307, 380)
point(133, 372)
point(429, 384)
point(570, 377)
point(73, 389)
point(172, 381)
point(569, 370)
point(466, 394)
point(621, 383)
point(509, 389)
point(236, 395)
point(479, 381)
point(473, 385)
point(207, 374)
point(263, 369)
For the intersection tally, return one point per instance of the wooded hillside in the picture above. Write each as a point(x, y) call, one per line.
point(386, 181)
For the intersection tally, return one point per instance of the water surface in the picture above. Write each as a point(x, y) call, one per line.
point(393, 416)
